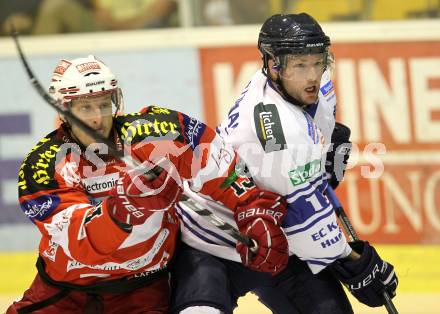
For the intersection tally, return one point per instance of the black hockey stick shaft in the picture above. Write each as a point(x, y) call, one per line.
point(219, 223)
point(127, 159)
point(70, 116)
point(197, 203)
point(348, 227)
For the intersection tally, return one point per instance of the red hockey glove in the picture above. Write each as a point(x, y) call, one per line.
point(134, 198)
point(260, 218)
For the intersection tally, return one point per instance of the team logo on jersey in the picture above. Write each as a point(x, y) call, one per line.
point(269, 128)
point(304, 173)
point(193, 131)
point(41, 207)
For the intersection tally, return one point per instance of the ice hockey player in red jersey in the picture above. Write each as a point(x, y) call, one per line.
point(109, 233)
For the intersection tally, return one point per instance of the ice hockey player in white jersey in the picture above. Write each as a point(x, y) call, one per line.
point(282, 126)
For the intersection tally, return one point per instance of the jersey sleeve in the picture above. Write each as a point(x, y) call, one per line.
point(217, 171)
point(197, 154)
point(61, 209)
point(285, 152)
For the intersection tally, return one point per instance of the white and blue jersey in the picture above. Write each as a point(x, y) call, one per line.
point(284, 148)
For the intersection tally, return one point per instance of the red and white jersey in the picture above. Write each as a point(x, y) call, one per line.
point(63, 189)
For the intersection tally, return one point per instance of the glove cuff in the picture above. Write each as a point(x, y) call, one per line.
point(113, 213)
point(347, 268)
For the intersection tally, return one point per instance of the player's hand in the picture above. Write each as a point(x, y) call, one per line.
point(367, 277)
point(260, 219)
point(134, 198)
point(338, 154)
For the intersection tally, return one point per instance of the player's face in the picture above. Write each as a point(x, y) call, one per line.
point(96, 112)
point(301, 76)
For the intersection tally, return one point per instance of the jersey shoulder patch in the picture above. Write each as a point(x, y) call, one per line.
point(152, 123)
point(268, 127)
point(41, 207)
point(193, 130)
point(38, 168)
point(327, 89)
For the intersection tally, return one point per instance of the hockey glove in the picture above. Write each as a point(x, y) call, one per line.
point(367, 277)
point(338, 154)
point(260, 219)
point(134, 198)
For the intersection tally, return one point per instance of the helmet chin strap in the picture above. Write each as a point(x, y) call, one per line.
point(119, 103)
point(68, 127)
point(279, 87)
point(283, 92)
point(278, 84)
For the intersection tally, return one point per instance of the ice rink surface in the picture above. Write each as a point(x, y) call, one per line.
point(417, 267)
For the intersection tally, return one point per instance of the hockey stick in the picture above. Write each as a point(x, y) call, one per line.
point(348, 227)
point(129, 161)
point(69, 115)
point(219, 223)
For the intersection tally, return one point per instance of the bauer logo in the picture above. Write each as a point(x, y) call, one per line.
point(41, 207)
point(100, 184)
point(305, 173)
point(268, 127)
point(95, 83)
point(314, 45)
